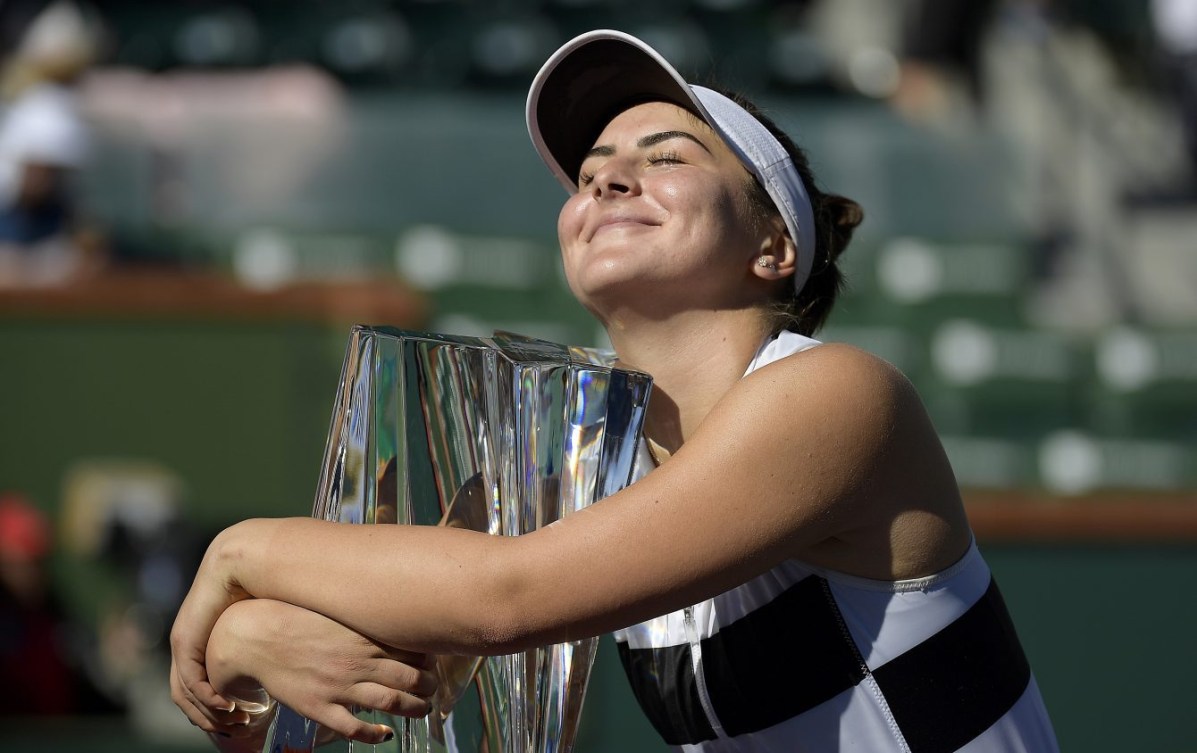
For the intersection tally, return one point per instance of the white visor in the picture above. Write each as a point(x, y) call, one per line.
point(595, 76)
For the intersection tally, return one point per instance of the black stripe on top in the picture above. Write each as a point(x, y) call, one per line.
point(953, 686)
point(776, 662)
point(663, 682)
point(781, 659)
point(794, 653)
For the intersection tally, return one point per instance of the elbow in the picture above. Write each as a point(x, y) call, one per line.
point(498, 634)
point(508, 615)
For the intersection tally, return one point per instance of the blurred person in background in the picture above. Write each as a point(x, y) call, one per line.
point(1175, 25)
point(940, 56)
point(40, 673)
point(44, 140)
point(123, 521)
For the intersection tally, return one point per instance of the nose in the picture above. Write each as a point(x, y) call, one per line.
point(614, 178)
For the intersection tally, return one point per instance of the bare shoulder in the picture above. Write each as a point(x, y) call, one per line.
point(845, 386)
point(834, 407)
point(841, 355)
point(848, 435)
point(840, 360)
point(859, 400)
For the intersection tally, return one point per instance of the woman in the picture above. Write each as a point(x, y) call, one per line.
point(44, 141)
point(799, 549)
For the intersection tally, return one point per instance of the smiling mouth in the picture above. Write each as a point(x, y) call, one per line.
point(621, 222)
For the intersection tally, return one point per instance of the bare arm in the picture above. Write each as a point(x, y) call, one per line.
point(804, 450)
point(810, 448)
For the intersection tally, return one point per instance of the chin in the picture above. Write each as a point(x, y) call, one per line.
point(598, 297)
point(608, 278)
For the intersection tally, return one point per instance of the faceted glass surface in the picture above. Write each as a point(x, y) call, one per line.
point(504, 435)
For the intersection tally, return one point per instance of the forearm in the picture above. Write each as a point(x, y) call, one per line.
point(236, 643)
point(680, 535)
point(426, 589)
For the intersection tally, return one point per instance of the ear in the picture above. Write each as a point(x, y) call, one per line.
point(777, 257)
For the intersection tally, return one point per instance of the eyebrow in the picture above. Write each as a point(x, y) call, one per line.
point(646, 141)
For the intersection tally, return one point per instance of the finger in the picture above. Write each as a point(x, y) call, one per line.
point(237, 718)
point(196, 714)
point(205, 717)
point(340, 720)
point(374, 696)
point(414, 680)
point(412, 658)
point(217, 708)
point(188, 663)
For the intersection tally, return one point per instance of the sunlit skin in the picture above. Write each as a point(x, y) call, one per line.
point(826, 456)
point(661, 199)
point(661, 244)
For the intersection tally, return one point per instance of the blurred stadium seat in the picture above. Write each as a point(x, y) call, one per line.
point(1146, 384)
point(927, 281)
point(998, 381)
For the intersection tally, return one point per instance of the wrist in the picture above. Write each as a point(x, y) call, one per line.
point(231, 557)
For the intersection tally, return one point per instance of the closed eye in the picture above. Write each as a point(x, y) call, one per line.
point(586, 177)
point(662, 158)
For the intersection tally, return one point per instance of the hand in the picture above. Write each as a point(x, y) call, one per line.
point(211, 593)
point(316, 666)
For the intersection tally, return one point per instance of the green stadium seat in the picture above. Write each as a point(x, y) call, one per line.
point(990, 462)
point(1073, 462)
point(1000, 381)
point(1145, 384)
point(927, 281)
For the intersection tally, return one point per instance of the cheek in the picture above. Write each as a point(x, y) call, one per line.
point(714, 221)
point(569, 229)
point(570, 219)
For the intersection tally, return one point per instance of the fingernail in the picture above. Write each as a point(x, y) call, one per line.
point(388, 737)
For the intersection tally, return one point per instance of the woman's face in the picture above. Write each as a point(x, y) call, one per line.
point(662, 217)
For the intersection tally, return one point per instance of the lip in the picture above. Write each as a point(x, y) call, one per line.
point(621, 219)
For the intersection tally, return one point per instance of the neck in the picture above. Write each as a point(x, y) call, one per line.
point(694, 359)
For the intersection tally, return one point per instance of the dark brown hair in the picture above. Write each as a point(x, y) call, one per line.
point(836, 217)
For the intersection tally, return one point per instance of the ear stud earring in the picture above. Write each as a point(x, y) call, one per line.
point(763, 262)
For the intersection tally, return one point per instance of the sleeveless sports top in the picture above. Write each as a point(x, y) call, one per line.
point(806, 659)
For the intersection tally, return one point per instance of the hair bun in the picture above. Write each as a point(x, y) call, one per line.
point(841, 216)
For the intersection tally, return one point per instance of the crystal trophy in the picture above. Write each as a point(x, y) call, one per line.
point(505, 435)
